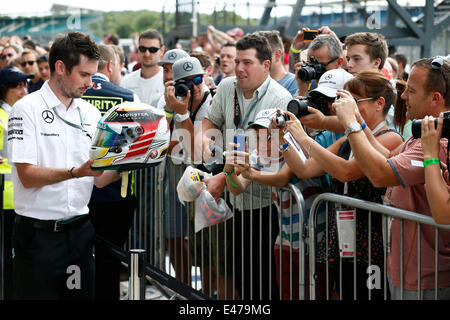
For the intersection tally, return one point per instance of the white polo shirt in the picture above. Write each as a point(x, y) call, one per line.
point(38, 136)
point(148, 90)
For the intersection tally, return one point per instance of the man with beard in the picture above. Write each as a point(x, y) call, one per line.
point(49, 142)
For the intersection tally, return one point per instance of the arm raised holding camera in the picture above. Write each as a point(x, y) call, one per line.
point(372, 163)
point(437, 189)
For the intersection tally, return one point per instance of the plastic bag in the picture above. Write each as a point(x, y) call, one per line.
point(208, 212)
point(190, 185)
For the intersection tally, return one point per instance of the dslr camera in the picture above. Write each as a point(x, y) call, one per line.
point(182, 88)
point(316, 100)
point(416, 127)
point(311, 70)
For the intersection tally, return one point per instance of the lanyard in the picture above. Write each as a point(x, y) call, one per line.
point(237, 108)
point(80, 126)
point(74, 125)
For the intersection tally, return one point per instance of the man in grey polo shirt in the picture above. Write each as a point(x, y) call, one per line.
point(235, 105)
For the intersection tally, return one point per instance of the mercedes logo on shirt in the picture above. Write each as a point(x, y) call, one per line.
point(187, 66)
point(172, 56)
point(48, 116)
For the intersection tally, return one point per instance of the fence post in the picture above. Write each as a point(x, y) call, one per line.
point(136, 289)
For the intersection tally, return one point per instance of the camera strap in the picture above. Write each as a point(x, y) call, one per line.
point(237, 110)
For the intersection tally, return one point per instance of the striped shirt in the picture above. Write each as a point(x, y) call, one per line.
point(221, 113)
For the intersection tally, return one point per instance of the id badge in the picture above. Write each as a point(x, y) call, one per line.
point(345, 221)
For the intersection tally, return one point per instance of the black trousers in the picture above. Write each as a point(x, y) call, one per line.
point(112, 221)
point(248, 245)
point(362, 292)
point(53, 266)
point(8, 216)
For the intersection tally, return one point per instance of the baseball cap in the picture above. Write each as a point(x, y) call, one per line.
point(332, 81)
point(12, 74)
point(263, 118)
point(173, 55)
point(185, 67)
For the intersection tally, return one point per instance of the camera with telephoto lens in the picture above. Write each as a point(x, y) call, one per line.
point(281, 118)
point(416, 127)
point(316, 100)
point(182, 88)
point(311, 70)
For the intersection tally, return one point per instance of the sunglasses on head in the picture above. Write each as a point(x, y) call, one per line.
point(6, 55)
point(24, 63)
point(151, 49)
point(195, 80)
point(362, 99)
point(437, 64)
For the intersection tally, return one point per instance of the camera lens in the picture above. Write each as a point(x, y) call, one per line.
point(416, 128)
point(298, 107)
point(306, 73)
point(181, 90)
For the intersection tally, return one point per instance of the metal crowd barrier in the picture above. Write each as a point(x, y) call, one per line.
point(372, 208)
point(159, 216)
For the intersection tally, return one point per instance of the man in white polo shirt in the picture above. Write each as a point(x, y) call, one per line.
point(49, 141)
point(147, 82)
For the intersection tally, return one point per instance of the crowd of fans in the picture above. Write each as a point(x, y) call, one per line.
point(354, 137)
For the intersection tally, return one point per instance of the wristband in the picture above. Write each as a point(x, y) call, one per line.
point(228, 173)
point(295, 50)
point(229, 180)
point(363, 126)
point(169, 114)
point(284, 147)
point(71, 173)
point(431, 161)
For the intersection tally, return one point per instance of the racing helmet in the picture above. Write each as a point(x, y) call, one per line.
point(131, 135)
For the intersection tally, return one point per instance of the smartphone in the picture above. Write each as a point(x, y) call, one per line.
point(309, 35)
point(240, 140)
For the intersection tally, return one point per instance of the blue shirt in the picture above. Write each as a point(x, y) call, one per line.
point(289, 83)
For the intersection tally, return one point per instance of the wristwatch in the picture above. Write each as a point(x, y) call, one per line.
point(181, 117)
point(352, 127)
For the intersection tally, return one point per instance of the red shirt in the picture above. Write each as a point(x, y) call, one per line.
point(411, 196)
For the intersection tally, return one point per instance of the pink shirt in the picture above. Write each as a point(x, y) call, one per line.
point(411, 196)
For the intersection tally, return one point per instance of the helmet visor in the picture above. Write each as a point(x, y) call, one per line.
point(106, 138)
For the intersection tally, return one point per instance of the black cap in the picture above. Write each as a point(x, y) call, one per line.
point(12, 74)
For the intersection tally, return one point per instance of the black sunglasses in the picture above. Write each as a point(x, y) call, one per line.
point(151, 49)
point(6, 55)
point(437, 64)
point(24, 63)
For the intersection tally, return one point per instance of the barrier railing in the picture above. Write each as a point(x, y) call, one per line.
point(160, 217)
point(372, 208)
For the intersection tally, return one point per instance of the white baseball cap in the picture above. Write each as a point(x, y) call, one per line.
point(263, 118)
point(332, 81)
